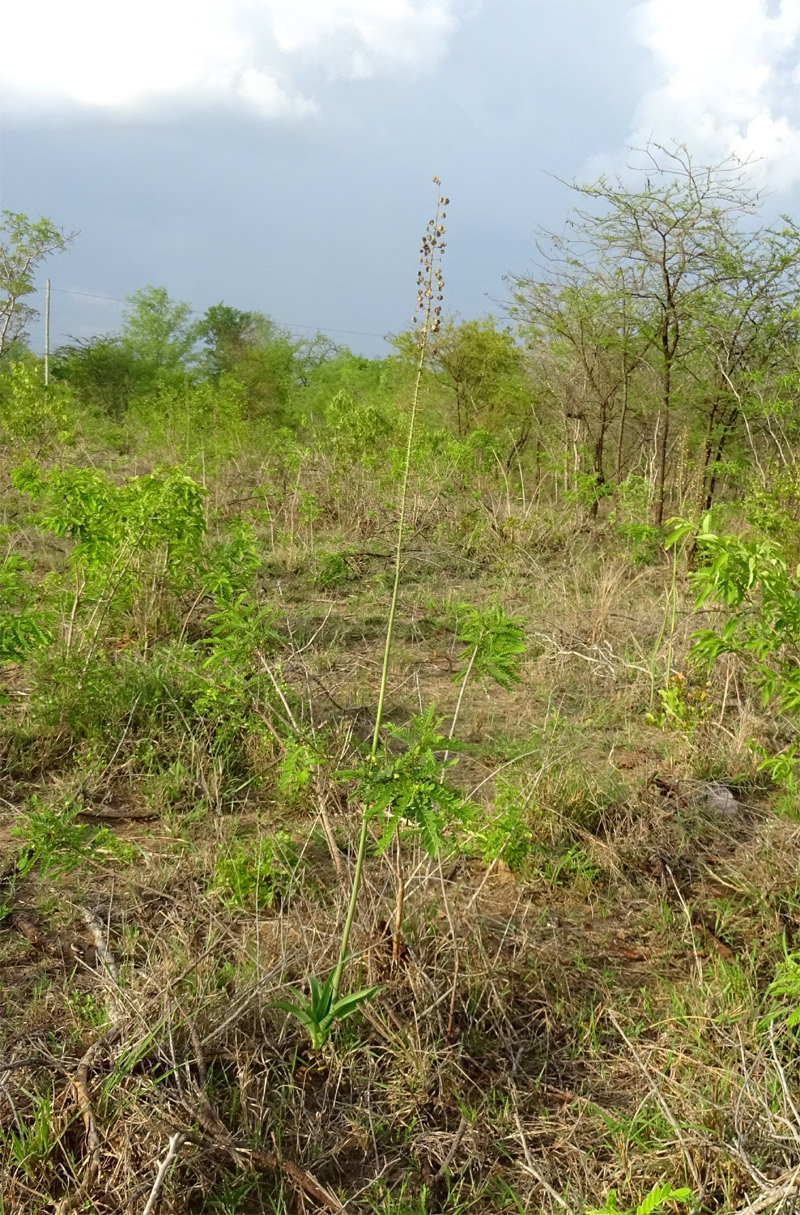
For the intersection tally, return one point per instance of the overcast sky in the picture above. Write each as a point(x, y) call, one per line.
point(278, 154)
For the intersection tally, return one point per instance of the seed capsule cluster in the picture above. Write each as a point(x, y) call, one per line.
point(430, 282)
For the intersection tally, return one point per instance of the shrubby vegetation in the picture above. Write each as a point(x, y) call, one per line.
point(452, 694)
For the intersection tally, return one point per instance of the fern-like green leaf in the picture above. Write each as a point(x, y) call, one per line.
point(659, 1195)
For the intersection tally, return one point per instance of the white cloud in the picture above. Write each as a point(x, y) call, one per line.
point(354, 38)
point(158, 55)
point(727, 80)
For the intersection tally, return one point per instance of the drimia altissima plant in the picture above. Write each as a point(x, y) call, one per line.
point(325, 1006)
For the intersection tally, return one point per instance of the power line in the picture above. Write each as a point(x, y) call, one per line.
point(113, 299)
point(89, 295)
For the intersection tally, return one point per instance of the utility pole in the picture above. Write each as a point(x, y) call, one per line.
point(47, 335)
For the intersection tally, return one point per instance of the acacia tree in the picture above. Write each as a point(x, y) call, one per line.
point(748, 334)
point(483, 366)
point(24, 244)
point(158, 331)
point(104, 374)
point(594, 349)
point(675, 240)
point(265, 362)
point(224, 331)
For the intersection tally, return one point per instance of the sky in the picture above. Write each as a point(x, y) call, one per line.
point(277, 154)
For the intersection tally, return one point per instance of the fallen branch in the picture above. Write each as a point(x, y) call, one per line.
point(531, 1168)
point(80, 1083)
point(784, 1188)
point(220, 1137)
point(451, 1155)
point(268, 1161)
point(176, 1142)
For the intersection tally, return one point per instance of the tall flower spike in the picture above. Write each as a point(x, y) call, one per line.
point(429, 275)
point(430, 281)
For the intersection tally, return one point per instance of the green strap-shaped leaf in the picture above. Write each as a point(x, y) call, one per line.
point(295, 1010)
point(348, 1004)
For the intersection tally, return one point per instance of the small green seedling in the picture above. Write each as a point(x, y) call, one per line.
point(321, 1011)
point(654, 1201)
point(494, 644)
point(784, 991)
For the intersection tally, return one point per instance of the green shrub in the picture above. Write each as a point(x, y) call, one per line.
point(254, 874)
point(55, 841)
point(334, 570)
point(24, 625)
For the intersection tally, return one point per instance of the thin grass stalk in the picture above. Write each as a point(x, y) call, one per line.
point(397, 936)
point(461, 692)
point(428, 282)
point(670, 616)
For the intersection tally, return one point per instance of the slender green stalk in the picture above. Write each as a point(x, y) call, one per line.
point(670, 615)
point(462, 690)
point(429, 287)
point(673, 601)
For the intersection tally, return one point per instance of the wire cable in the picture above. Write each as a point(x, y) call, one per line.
point(113, 299)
